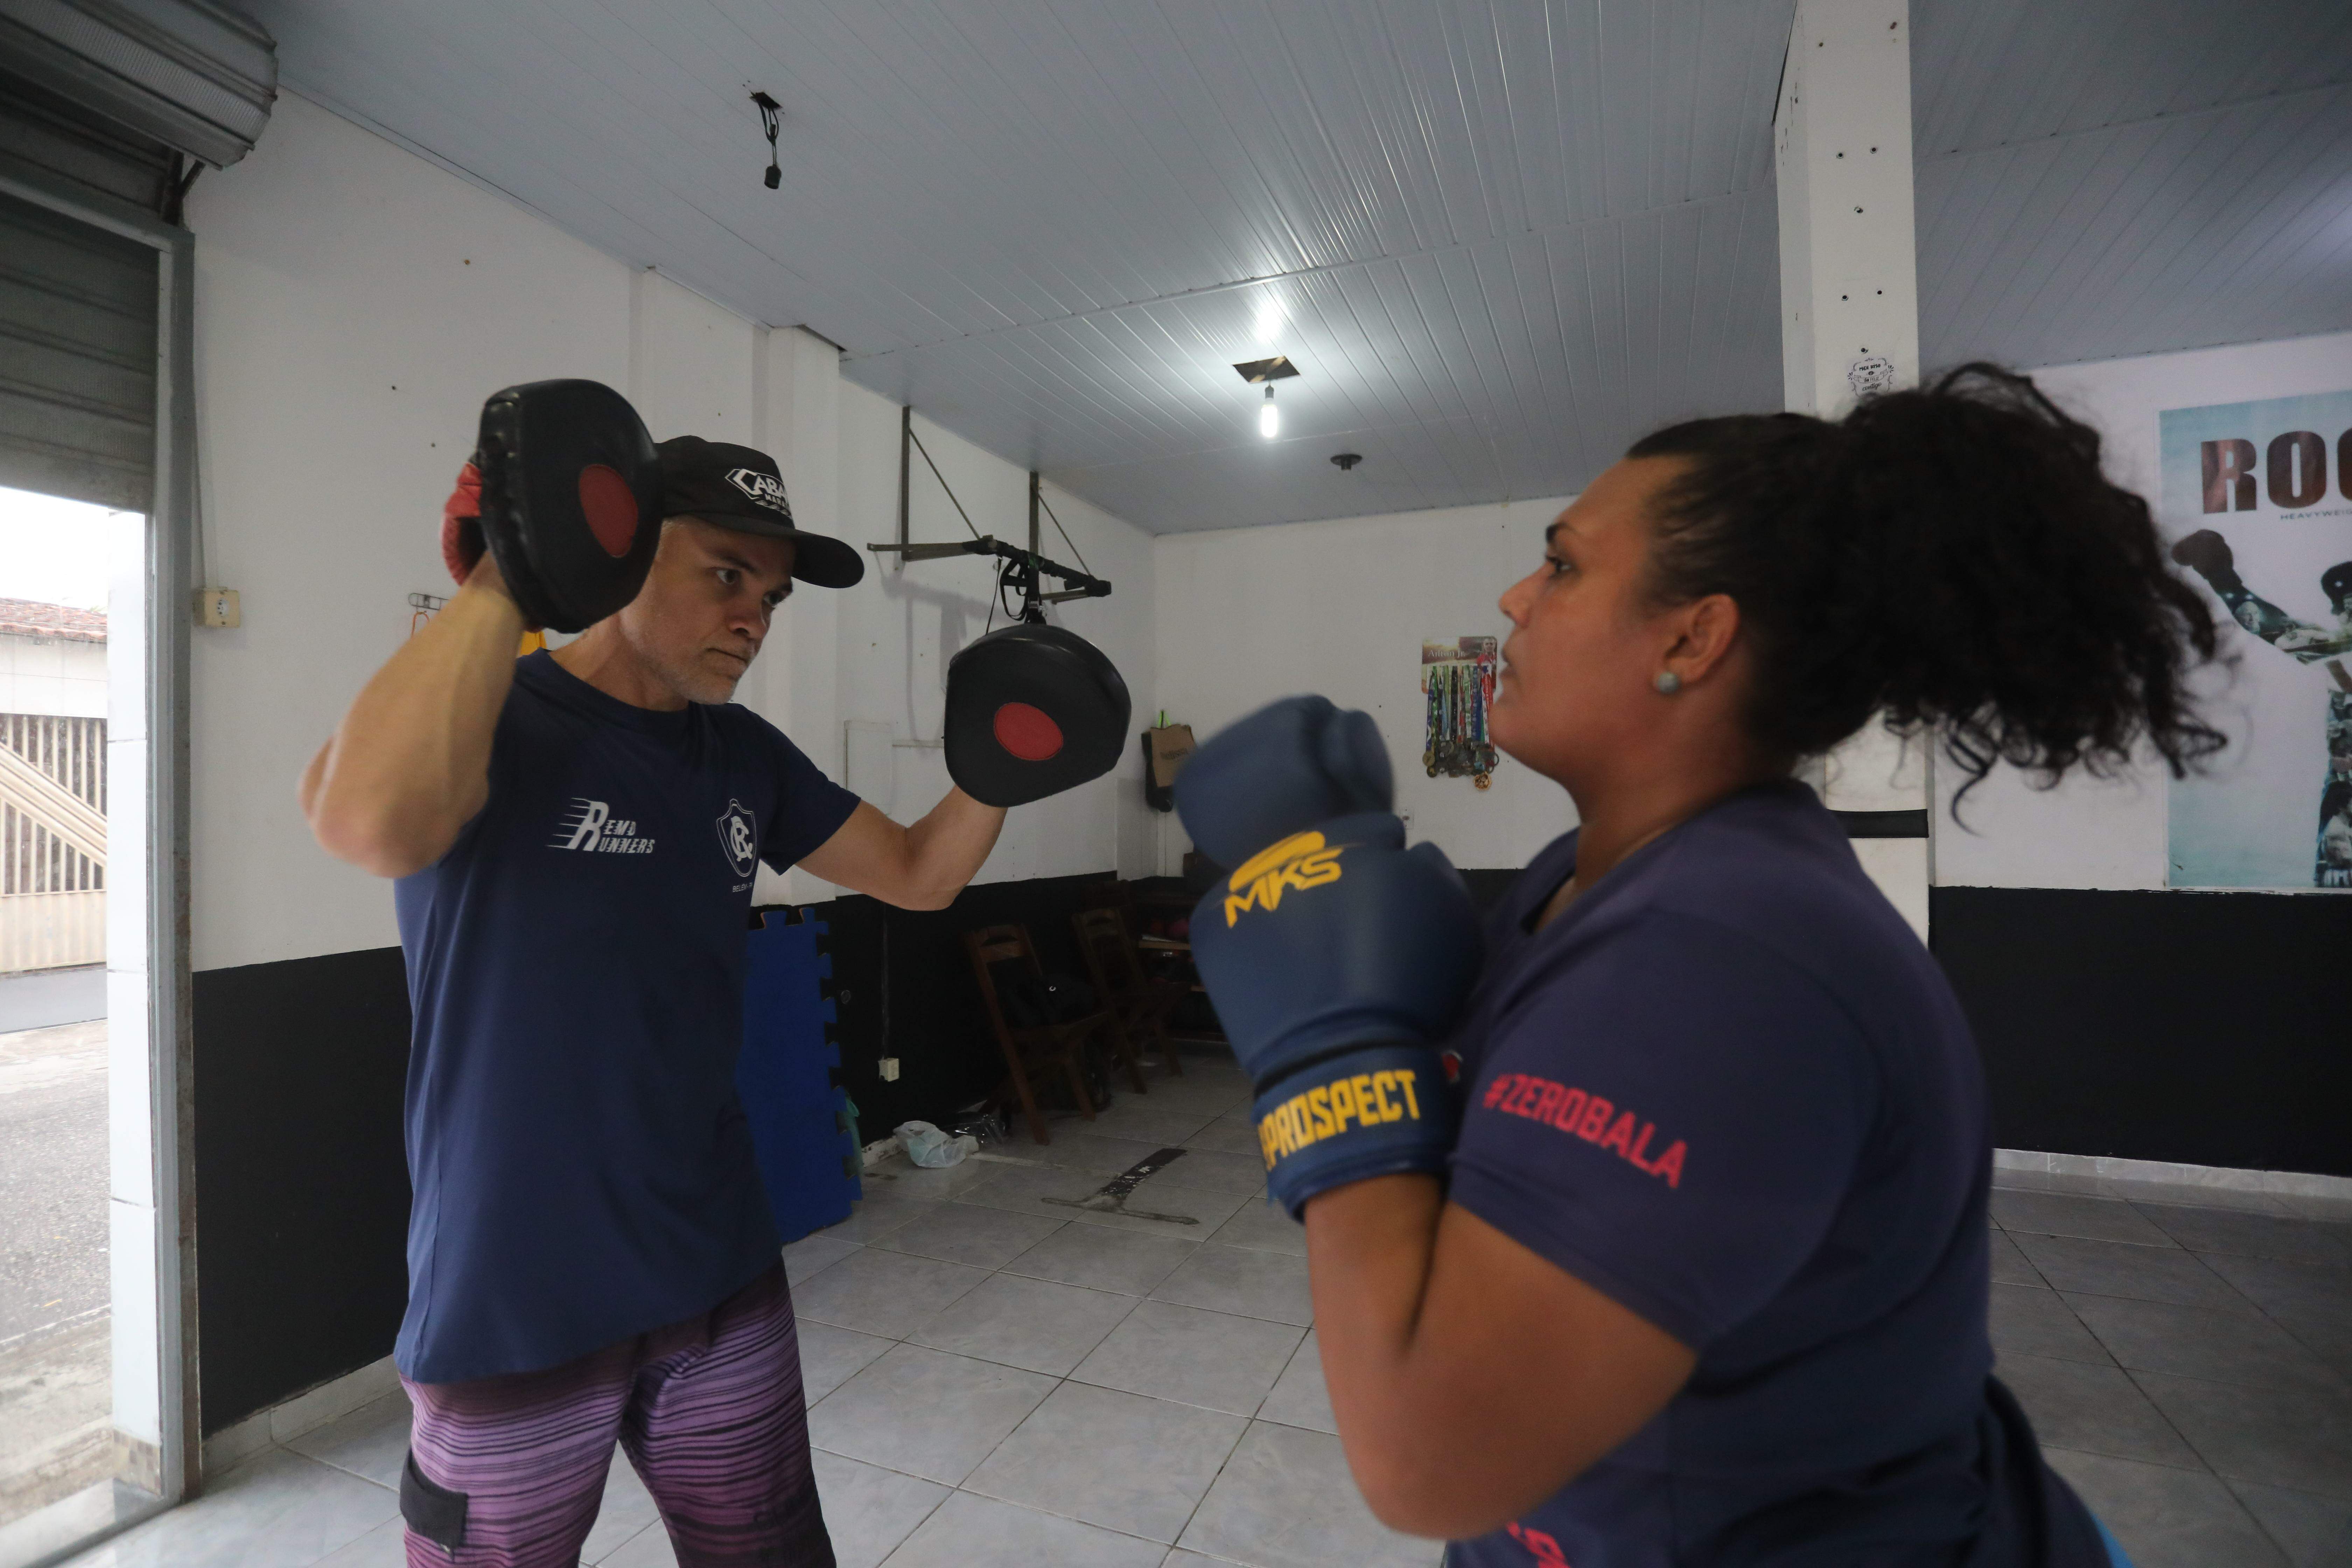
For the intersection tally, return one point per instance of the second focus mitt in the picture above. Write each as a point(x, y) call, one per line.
point(1032, 710)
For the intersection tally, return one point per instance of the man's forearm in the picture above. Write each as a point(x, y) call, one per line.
point(947, 847)
point(409, 765)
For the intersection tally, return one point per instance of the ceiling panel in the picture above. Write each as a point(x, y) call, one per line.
point(1988, 73)
point(2232, 225)
point(2114, 177)
point(1501, 238)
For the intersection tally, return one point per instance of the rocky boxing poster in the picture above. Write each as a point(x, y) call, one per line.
point(2257, 504)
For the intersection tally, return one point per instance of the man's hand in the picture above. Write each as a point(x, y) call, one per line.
point(461, 525)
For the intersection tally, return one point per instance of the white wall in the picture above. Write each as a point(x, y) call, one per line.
point(49, 675)
point(354, 305)
point(2086, 833)
point(1342, 608)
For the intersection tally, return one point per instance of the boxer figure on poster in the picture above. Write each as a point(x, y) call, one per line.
point(2208, 554)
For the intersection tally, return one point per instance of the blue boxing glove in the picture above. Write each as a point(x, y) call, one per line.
point(1337, 959)
point(1280, 770)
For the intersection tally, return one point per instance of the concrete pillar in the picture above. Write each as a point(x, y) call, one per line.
point(1850, 317)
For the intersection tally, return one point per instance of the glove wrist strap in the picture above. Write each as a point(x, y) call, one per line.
point(1378, 1109)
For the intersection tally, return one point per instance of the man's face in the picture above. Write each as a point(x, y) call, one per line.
point(704, 611)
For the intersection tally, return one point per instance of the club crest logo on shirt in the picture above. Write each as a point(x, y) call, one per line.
point(591, 829)
point(739, 835)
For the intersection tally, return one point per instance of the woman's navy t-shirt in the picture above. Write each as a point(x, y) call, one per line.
point(1730, 1090)
point(582, 1167)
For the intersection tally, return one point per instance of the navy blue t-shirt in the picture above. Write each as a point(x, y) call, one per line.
point(582, 1167)
point(1728, 1088)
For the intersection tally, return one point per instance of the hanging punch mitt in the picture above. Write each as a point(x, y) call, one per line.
point(1031, 710)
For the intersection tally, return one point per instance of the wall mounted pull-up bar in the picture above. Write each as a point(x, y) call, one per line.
point(1025, 566)
point(1082, 585)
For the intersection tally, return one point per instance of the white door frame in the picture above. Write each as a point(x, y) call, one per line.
point(164, 852)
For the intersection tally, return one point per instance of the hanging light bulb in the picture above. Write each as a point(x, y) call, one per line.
point(1269, 418)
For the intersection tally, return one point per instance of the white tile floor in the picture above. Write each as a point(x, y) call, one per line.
point(2186, 1354)
point(996, 1378)
point(993, 1378)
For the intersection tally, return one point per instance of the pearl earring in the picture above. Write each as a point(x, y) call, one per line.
point(1667, 682)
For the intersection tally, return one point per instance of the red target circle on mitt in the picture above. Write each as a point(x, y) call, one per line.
point(1031, 710)
point(1027, 733)
point(611, 508)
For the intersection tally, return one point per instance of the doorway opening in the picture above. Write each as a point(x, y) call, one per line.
point(79, 1354)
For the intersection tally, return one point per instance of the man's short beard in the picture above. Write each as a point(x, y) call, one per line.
point(688, 678)
point(695, 684)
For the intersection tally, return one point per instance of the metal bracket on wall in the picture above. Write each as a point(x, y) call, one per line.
point(1025, 566)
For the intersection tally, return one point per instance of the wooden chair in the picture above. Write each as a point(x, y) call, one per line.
point(1031, 1048)
point(1140, 1005)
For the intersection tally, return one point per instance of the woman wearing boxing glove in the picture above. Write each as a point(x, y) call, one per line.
point(1704, 1278)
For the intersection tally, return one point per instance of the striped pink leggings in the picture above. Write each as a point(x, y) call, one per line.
point(508, 1472)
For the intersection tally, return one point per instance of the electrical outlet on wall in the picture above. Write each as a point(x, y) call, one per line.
point(217, 607)
point(890, 1070)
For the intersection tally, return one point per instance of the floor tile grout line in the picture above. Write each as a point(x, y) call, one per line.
point(1226, 1458)
point(2343, 1383)
point(2281, 1324)
point(2202, 1458)
point(2286, 1548)
point(347, 1471)
point(2199, 1469)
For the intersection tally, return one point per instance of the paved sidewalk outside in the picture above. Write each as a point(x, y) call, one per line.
point(56, 1365)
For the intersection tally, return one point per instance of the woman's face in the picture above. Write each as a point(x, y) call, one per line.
point(1578, 667)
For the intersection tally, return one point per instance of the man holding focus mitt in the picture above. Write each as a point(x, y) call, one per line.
point(574, 837)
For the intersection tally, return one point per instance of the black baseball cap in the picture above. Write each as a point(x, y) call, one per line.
point(738, 488)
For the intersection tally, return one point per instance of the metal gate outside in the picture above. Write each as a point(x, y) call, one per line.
point(52, 842)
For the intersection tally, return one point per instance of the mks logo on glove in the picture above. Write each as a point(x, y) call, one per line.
point(1301, 861)
point(1367, 1099)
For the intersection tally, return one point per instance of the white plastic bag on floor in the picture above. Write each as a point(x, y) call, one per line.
point(927, 1145)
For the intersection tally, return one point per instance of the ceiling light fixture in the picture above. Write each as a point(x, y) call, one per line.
point(1265, 372)
point(772, 114)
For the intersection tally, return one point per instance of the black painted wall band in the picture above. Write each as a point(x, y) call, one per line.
point(301, 1178)
point(2203, 1028)
point(1883, 823)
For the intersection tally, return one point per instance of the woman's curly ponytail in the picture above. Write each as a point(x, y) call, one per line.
point(1953, 556)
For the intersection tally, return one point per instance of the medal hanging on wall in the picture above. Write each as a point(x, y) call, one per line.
point(1457, 683)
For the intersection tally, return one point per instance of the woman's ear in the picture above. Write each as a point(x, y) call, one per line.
point(1704, 630)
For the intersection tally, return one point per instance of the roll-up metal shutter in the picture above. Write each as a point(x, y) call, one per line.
point(193, 75)
point(77, 357)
